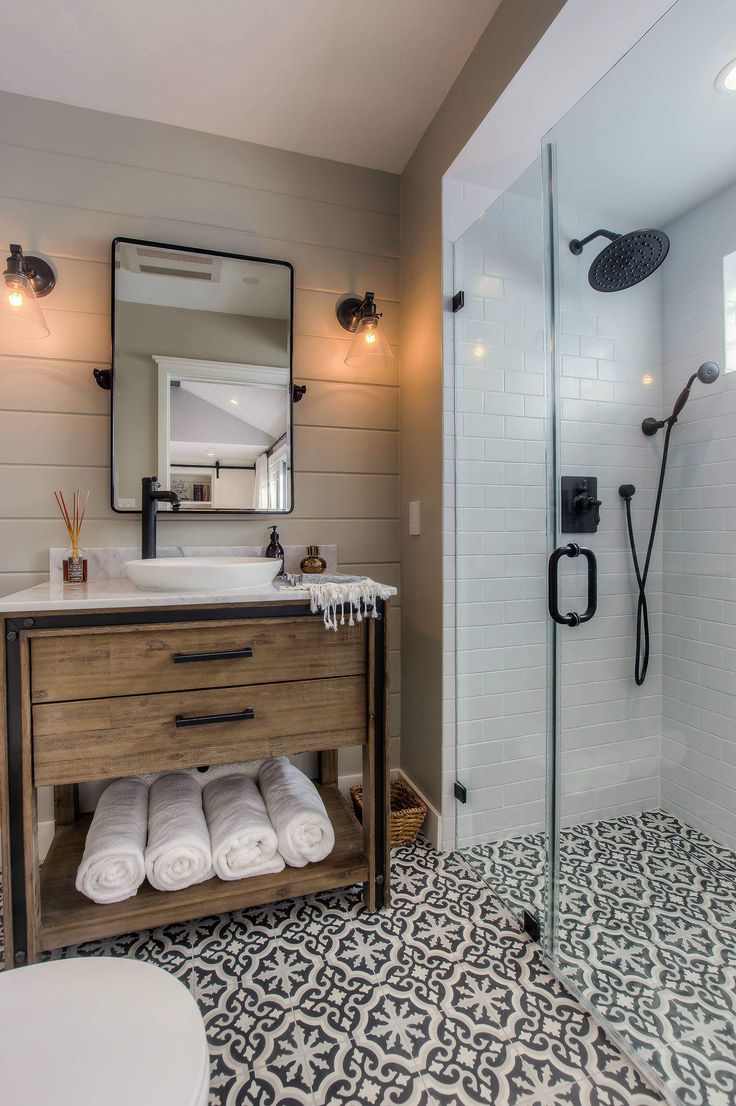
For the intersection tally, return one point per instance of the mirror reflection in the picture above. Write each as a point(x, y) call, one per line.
point(202, 378)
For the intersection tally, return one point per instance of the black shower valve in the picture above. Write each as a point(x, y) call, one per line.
point(580, 507)
point(582, 504)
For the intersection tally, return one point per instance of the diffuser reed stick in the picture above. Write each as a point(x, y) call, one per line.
point(75, 566)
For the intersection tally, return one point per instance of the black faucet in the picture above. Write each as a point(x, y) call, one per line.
point(152, 495)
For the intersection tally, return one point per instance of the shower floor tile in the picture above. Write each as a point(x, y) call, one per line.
point(647, 932)
point(440, 1001)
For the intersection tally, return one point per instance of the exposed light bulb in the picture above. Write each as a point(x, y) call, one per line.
point(647, 379)
point(16, 298)
point(370, 337)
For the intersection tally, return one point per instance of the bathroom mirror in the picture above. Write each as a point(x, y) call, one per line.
point(201, 380)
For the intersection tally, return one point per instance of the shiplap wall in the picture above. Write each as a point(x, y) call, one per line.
point(70, 181)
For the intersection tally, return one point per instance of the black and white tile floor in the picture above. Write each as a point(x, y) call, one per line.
point(441, 1001)
point(647, 932)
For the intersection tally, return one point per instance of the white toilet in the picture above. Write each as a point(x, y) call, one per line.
point(100, 1030)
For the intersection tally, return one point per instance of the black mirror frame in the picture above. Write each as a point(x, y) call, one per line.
point(222, 511)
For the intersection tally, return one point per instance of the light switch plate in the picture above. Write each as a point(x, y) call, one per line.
point(415, 517)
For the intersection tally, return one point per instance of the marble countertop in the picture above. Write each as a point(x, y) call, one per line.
point(122, 592)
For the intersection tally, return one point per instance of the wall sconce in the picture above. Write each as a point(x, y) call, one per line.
point(26, 279)
point(361, 318)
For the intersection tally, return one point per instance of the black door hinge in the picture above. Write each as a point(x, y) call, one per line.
point(458, 301)
point(530, 924)
point(461, 792)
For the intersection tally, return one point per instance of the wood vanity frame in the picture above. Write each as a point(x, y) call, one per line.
point(90, 695)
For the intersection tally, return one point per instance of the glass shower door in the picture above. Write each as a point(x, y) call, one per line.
point(504, 487)
point(645, 869)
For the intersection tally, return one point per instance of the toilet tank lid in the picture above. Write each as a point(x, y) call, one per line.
point(100, 1029)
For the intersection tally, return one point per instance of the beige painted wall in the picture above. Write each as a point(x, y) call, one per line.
point(70, 181)
point(512, 33)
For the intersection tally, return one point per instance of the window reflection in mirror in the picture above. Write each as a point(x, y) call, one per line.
point(202, 378)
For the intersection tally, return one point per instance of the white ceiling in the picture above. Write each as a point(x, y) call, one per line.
point(354, 83)
point(254, 288)
point(260, 407)
point(653, 138)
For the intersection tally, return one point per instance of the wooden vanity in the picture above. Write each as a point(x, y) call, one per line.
point(94, 694)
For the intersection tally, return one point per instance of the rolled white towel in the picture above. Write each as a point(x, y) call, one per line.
point(203, 776)
point(249, 768)
point(113, 867)
point(244, 842)
point(298, 815)
point(178, 853)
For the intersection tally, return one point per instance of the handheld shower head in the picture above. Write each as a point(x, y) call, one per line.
point(706, 374)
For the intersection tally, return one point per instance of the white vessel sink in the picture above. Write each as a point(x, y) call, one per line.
point(222, 574)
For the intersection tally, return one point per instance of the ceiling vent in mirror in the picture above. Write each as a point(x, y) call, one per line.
point(171, 263)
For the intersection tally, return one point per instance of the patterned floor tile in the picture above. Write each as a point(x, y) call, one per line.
point(647, 932)
point(280, 1086)
point(442, 1000)
point(359, 1072)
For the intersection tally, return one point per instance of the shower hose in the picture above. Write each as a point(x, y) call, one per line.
point(641, 663)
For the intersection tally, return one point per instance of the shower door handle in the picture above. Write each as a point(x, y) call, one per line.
point(572, 618)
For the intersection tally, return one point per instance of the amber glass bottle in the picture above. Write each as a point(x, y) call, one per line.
point(313, 563)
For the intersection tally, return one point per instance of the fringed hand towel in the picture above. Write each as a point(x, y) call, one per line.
point(298, 815)
point(356, 596)
point(244, 842)
point(113, 867)
point(178, 852)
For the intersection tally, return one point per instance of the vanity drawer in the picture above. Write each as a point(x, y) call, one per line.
point(139, 660)
point(106, 738)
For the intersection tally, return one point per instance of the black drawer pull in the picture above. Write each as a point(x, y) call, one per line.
point(213, 719)
point(224, 655)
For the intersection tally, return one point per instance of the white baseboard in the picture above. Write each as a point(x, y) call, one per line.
point(45, 837)
point(432, 827)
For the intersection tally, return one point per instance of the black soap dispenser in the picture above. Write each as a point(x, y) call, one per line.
point(274, 548)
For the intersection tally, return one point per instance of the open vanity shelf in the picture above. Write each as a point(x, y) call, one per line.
point(65, 913)
point(101, 695)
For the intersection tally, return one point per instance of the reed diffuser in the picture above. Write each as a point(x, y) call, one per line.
point(75, 565)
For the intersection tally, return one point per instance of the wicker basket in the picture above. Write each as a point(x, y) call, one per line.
point(408, 811)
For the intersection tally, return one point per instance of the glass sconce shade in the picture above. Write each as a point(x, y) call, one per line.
point(369, 343)
point(24, 278)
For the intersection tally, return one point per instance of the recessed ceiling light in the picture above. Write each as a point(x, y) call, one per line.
point(726, 79)
point(234, 401)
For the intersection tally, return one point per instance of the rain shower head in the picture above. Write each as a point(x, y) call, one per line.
point(706, 374)
point(626, 261)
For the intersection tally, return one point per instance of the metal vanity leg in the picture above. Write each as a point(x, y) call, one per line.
point(15, 880)
point(381, 752)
